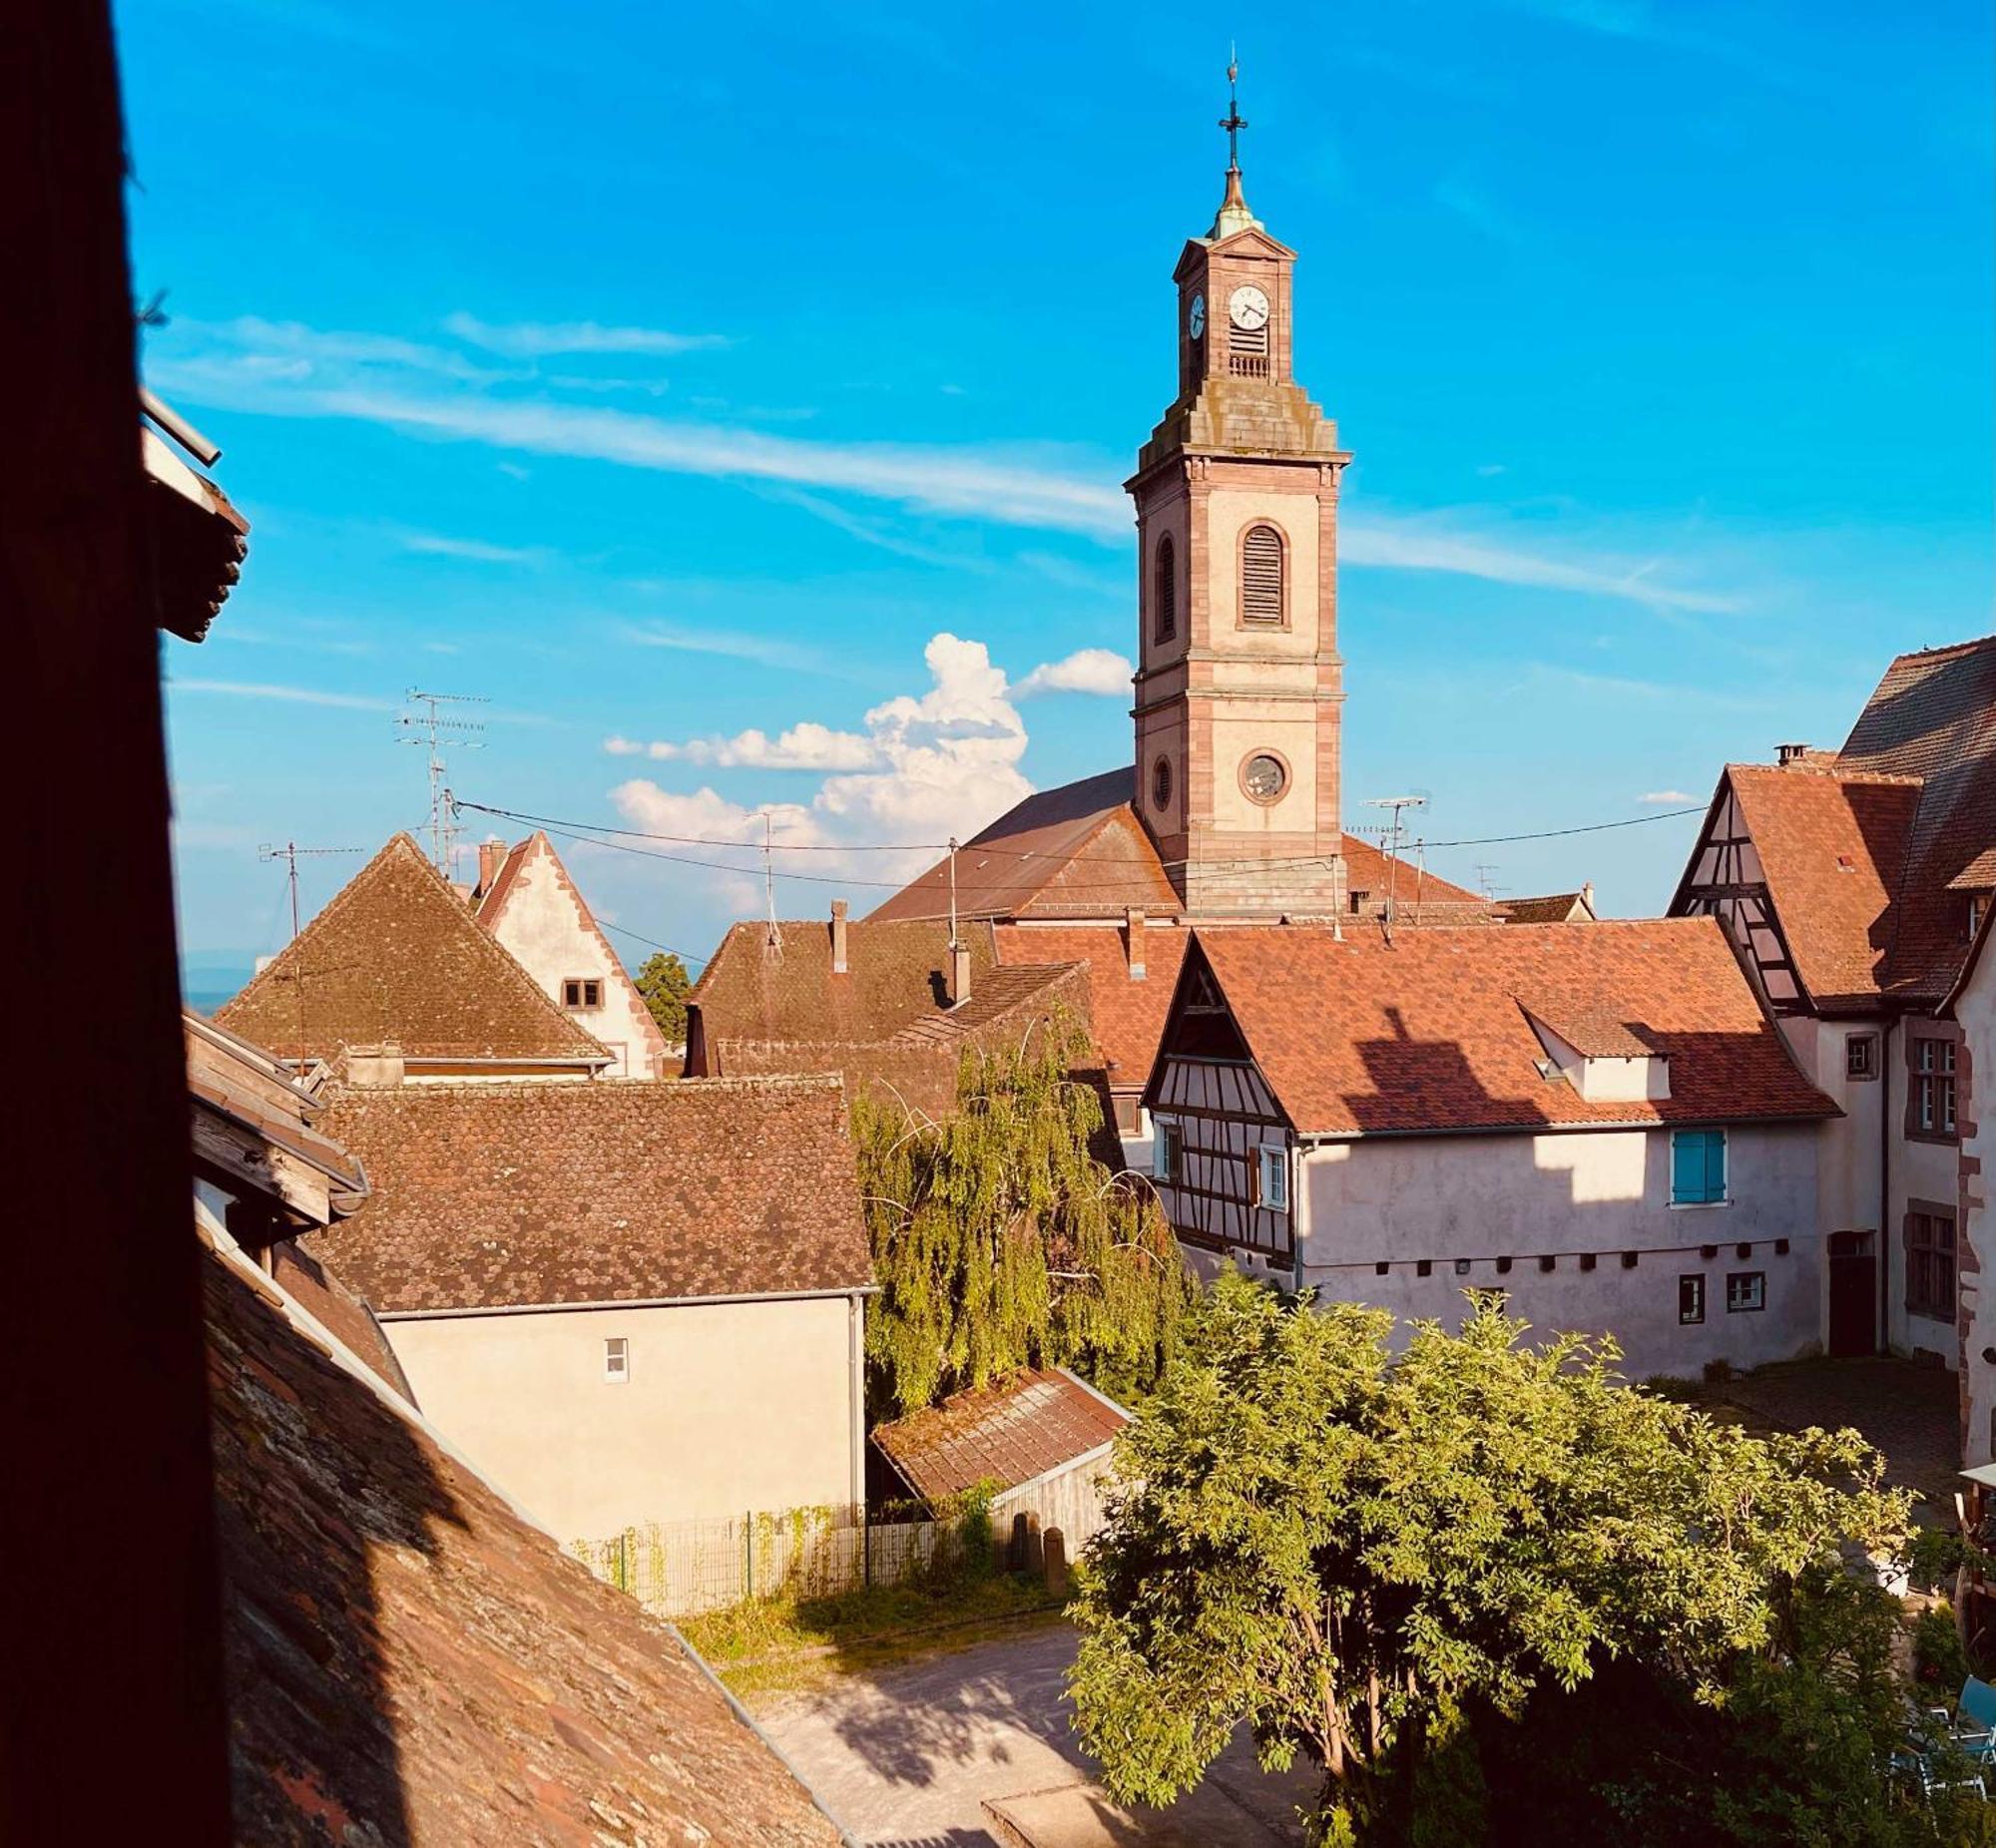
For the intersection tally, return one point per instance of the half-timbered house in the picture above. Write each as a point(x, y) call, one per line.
point(1852, 883)
point(1598, 1119)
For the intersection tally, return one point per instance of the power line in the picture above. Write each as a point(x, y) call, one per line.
point(652, 943)
point(592, 833)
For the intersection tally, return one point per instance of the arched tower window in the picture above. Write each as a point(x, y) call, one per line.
point(1261, 575)
point(1164, 591)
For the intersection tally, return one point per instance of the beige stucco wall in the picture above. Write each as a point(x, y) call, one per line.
point(1482, 1197)
point(1229, 514)
point(1975, 1257)
point(541, 927)
point(728, 1407)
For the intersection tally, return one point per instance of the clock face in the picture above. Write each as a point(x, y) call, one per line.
point(1247, 307)
point(1263, 776)
point(1195, 318)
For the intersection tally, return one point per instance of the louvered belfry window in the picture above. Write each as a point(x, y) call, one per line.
point(1164, 591)
point(1261, 575)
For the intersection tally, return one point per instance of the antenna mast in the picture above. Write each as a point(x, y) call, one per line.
point(436, 729)
point(290, 853)
point(1398, 804)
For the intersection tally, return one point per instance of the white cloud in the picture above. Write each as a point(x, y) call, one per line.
point(1668, 799)
point(941, 762)
point(1087, 671)
point(441, 545)
point(301, 696)
point(393, 384)
point(532, 339)
point(804, 746)
point(726, 641)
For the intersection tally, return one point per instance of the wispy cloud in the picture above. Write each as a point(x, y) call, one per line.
point(1469, 204)
point(1040, 488)
point(442, 545)
point(1668, 799)
point(728, 642)
point(536, 340)
point(804, 746)
point(1087, 671)
point(301, 696)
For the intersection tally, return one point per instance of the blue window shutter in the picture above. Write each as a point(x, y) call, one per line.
point(1715, 1165)
point(1687, 1165)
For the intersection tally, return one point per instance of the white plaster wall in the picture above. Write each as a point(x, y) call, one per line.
point(543, 929)
point(1976, 1012)
point(1481, 1197)
point(1920, 1170)
point(728, 1407)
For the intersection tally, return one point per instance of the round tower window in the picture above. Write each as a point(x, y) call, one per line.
point(1161, 784)
point(1265, 776)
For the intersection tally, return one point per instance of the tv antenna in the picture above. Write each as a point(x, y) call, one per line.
point(1394, 840)
point(291, 853)
point(438, 728)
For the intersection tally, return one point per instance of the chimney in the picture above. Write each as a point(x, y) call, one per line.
point(1789, 753)
point(491, 856)
point(375, 1065)
point(1134, 929)
point(1587, 898)
point(838, 910)
point(959, 973)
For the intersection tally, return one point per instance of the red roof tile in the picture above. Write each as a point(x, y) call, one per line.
point(1831, 849)
point(1429, 1033)
point(1125, 1018)
point(491, 1195)
point(408, 1659)
point(397, 955)
point(1005, 1434)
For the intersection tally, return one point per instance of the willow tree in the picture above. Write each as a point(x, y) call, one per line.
point(1001, 1241)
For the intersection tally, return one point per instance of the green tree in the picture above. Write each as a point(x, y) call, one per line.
point(664, 983)
point(1384, 1562)
point(1001, 1241)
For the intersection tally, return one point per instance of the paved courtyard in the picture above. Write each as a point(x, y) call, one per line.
point(1910, 1411)
point(910, 1756)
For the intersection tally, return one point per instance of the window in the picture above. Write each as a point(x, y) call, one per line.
point(1261, 575)
point(1933, 1087)
point(1275, 1179)
point(1697, 1167)
point(1383, 1268)
point(1424, 1267)
point(1860, 1056)
point(1164, 591)
point(1503, 1266)
point(1168, 1153)
point(1357, 900)
point(1630, 1259)
point(1746, 1291)
point(1161, 784)
point(1263, 777)
point(1930, 1264)
point(582, 991)
point(1978, 909)
point(1691, 1299)
point(1463, 1267)
point(1548, 1263)
point(1587, 1259)
point(617, 1359)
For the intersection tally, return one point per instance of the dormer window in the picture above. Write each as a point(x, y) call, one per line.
point(1978, 909)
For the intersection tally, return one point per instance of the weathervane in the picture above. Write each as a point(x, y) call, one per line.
point(1234, 121)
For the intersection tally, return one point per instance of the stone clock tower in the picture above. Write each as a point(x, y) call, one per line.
point(1239, 683)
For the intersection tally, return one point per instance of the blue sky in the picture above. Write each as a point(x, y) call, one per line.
point(674, 380)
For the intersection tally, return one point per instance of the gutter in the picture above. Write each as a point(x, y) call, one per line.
point(627, 1303)
point(1320, 1138)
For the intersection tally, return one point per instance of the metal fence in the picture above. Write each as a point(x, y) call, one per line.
point(684, 1568)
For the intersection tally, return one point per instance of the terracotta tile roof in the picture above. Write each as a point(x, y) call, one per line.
point(408, 1659)
point(1430, 1034)
point(1548, 908)
point(397, 955)
point(1832, 849)
point(1125, 1018)
point(896, 974)
point(490, 1196)
point(1592, 1031)
point(344, 1315)
point(1420, 897)
point(1933, 717)
point(1078, 851)
point(1006, 1434)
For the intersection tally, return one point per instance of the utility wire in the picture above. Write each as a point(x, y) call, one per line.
point(651, 943)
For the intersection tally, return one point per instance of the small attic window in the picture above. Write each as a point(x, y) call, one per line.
point(582, 991)
point(1845, 864)
point(1978, 909)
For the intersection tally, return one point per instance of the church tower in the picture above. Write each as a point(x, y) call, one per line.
point(1239, 683)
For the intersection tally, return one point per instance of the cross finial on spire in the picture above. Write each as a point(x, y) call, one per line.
point(1234, 121)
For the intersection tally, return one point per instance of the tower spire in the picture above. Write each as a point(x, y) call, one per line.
point(1234, 214)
